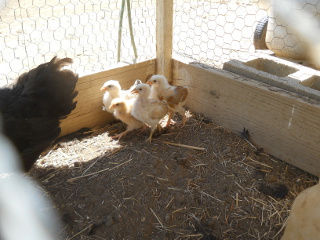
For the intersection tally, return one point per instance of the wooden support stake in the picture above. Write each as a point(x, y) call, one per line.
point(164, 17)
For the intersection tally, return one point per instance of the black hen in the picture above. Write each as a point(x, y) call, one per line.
point(32, 108)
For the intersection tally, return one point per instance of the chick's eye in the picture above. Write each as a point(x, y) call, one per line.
point(154, 81)
point(110, 86)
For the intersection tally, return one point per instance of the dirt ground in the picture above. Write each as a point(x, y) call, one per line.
point(217, 185)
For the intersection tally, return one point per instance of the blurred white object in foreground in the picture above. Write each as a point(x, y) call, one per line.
point(301, 20)
point(25, 212)
point(304, 219)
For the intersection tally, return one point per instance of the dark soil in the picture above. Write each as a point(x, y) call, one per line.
point(225, 188)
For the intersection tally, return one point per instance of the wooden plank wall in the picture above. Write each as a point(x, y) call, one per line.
point(88, 112)
point(164, 30)
point(282, 123)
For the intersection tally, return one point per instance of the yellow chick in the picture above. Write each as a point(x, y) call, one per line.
point(122, 111)
point(147, 110)
point(175, 96)
point(113, 90)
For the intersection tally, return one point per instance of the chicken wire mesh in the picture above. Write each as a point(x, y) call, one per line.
point(214, 31)
point(207, 31)
point(32, 32)
point(293, 29)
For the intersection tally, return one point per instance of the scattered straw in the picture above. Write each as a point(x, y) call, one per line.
point(88, 227)
point(110, 154)
point(157, 217)
point(178, 210)
point(183, 190)
point(237, 200)
point(259, 201)
point(192, 235)
point(281, 229)
point(94, 173)
point(262, 164)
point(51, 176)
point(185, 146)
point(169, 202)
point(208, 195)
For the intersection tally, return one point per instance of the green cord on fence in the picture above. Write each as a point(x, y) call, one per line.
point(130, 28)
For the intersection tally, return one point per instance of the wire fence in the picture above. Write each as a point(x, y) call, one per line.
point(32, 32)
point(211, 32)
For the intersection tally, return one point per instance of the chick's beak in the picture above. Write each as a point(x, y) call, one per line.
point(112, 106)
point(134, 91)
point(103, 89)
point(149, 82)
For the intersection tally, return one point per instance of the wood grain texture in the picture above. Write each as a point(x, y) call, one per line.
point(164, 26)
point(88, 112)
point(285, 124)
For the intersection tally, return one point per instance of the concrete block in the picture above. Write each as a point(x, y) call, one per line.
point(280, 73)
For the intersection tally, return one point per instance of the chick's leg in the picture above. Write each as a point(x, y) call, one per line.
point(143, 128)
point(120, 135)
point(169, 118)
point(159, 128)
point(182, 112)
point(184, 118)
point(151, 133)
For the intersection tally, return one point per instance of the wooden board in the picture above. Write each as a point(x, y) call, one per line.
point(164, 30)
point(88, 112)
point(284, 124)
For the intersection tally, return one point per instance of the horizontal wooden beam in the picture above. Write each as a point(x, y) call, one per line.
point(88, 113)
point(285, 124)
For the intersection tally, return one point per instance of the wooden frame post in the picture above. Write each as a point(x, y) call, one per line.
point(164, 25)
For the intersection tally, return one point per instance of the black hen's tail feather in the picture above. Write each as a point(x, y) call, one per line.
point(52, 87)
point(60, 63)
point(33, 107)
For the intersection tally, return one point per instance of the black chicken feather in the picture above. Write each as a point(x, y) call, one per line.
point(32, 108)
point(278, 191)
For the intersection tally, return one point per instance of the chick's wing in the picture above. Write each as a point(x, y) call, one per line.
point(158, 109)
point(180, 95)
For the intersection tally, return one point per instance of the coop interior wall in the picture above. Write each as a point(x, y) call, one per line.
point(280, 123)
